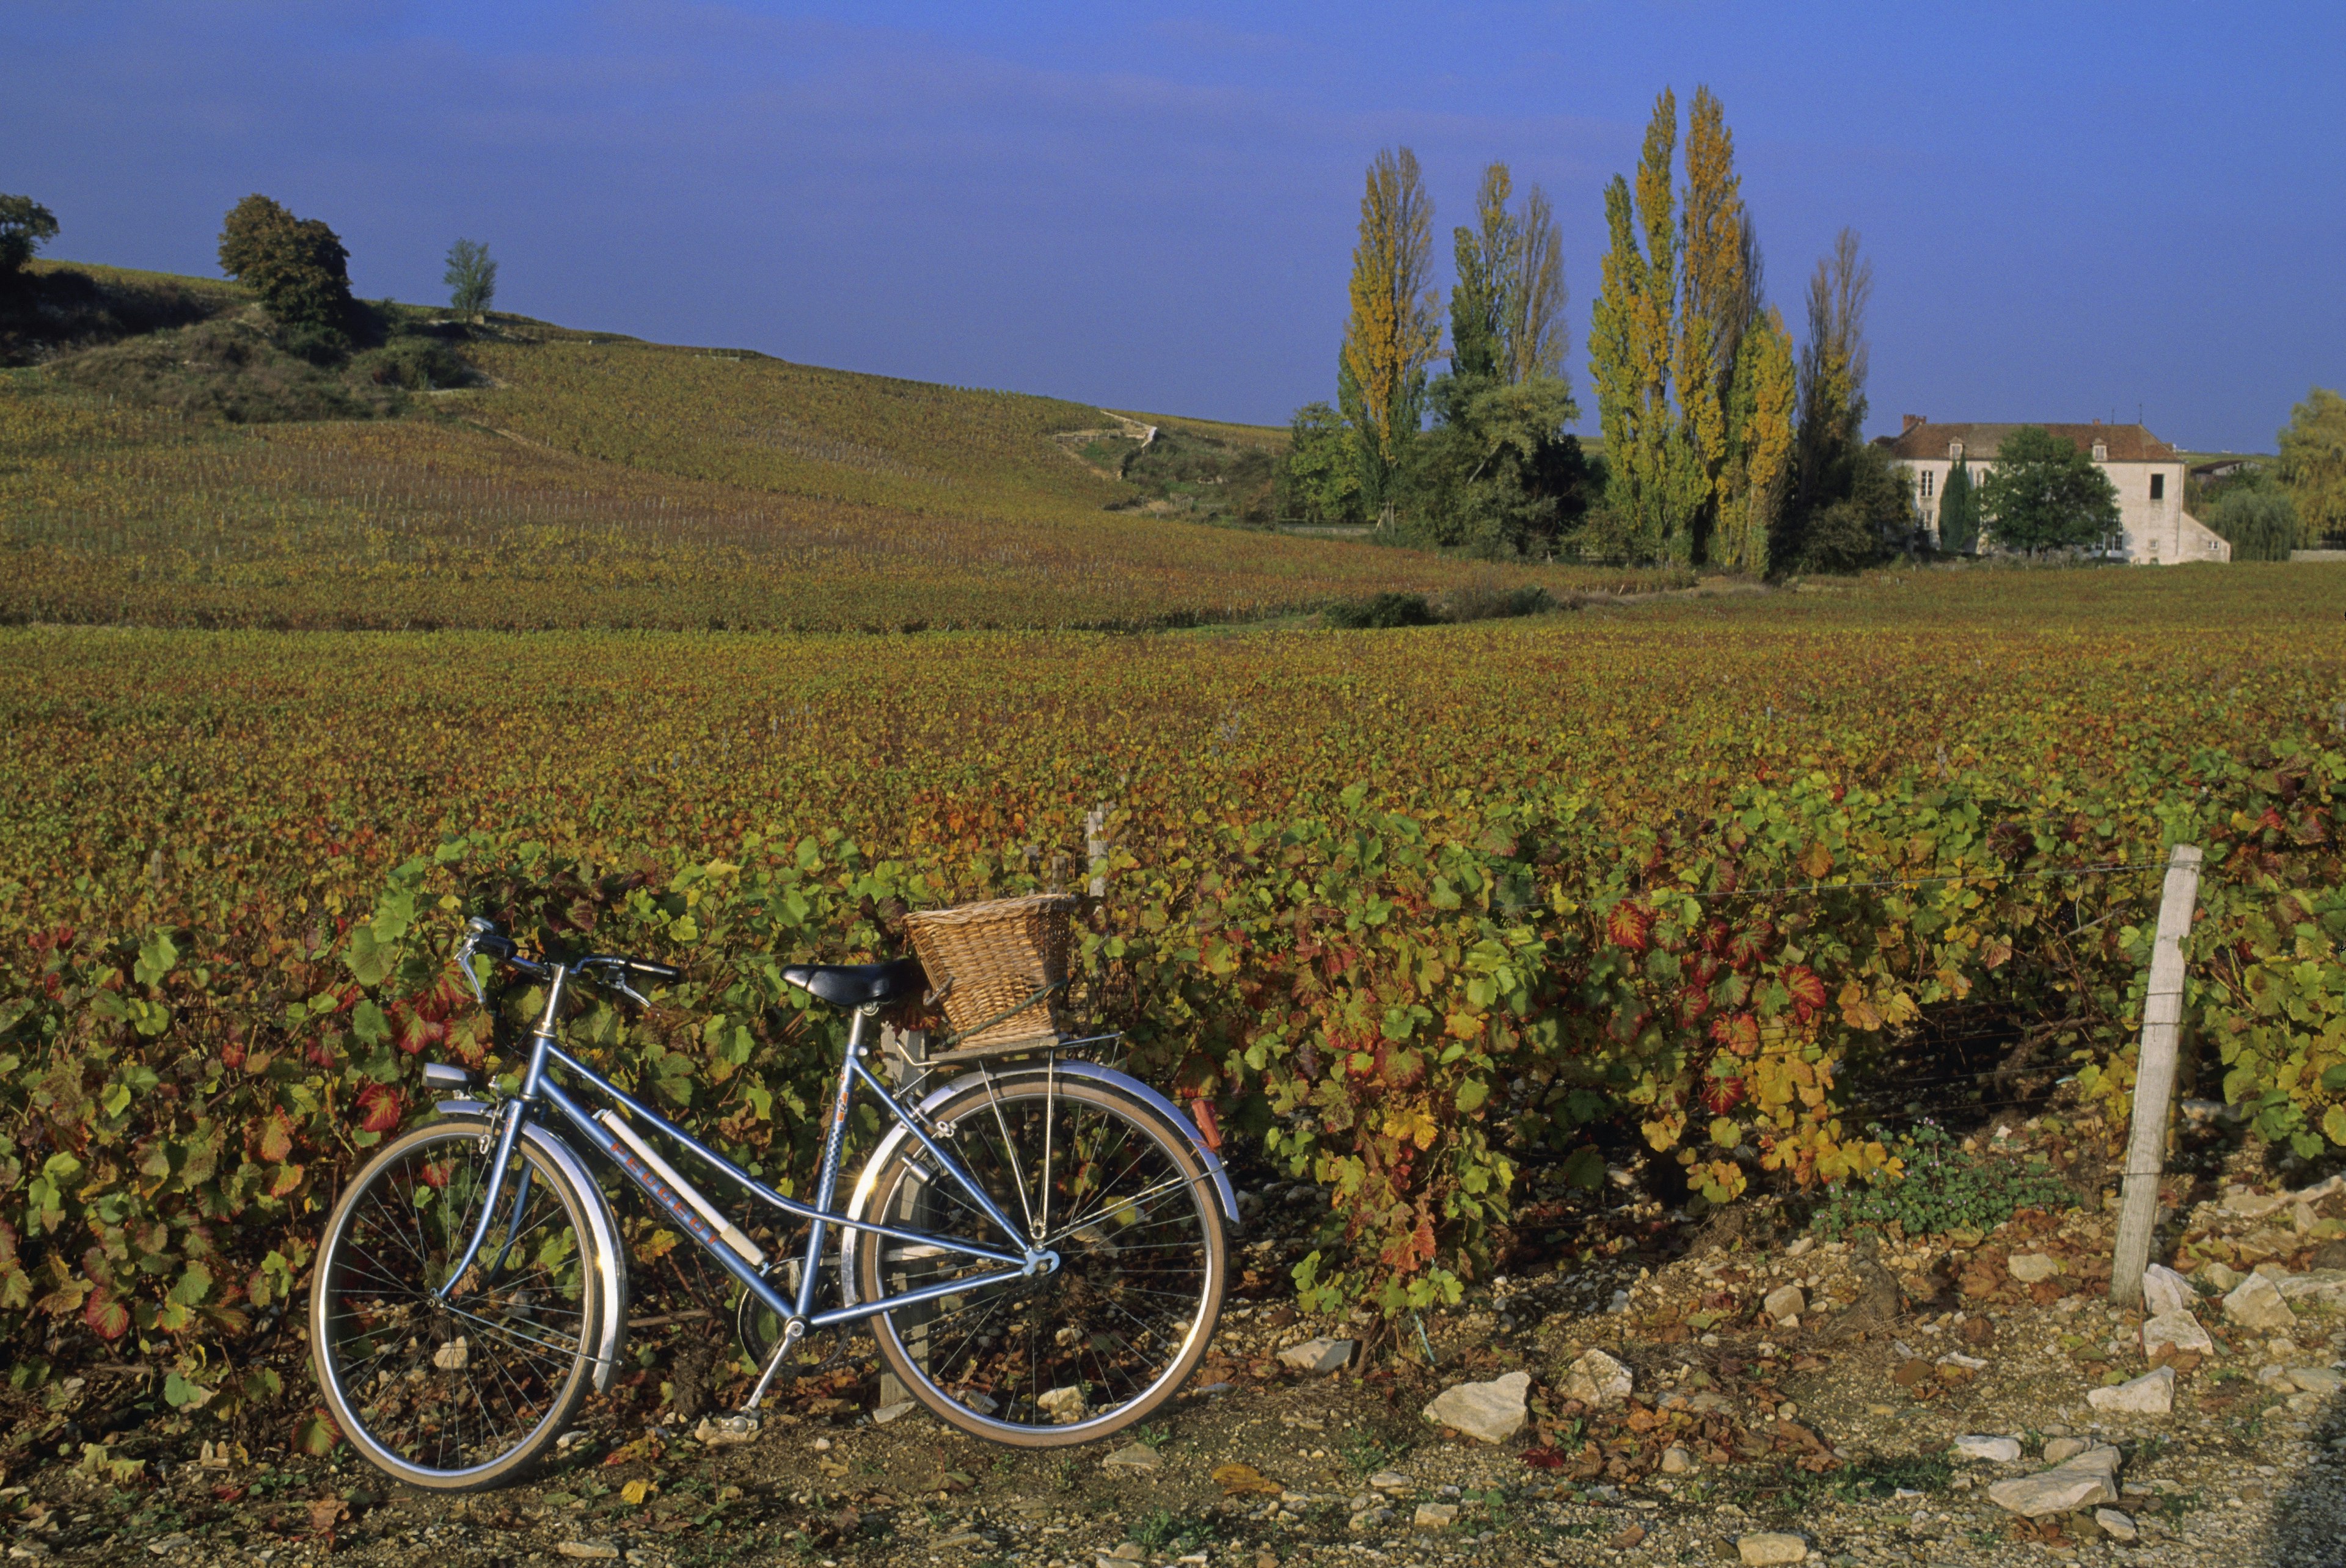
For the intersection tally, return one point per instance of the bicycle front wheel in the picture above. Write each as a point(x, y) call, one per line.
point(467, 1392)
point(1097, 1175)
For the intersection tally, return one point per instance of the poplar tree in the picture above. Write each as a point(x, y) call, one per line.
point(1488, 257)
point(1712, 298)
point(1532, 330)
point(1756, 477)
point(1832, 370)
point(1394, 326)
point(1631, 342)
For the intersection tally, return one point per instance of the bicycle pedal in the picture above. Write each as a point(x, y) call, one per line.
point(716, 1432)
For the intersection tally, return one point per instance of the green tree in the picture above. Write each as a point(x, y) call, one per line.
point(2044, 493)
point(2313, 465)
point(1393, 329)
point(472, 278)
point(1319, 482)
point(2254, 512)
point(24, 227)
point(298, 266)
point(1958, 511)
point(1874, 515)
point(1498, 472)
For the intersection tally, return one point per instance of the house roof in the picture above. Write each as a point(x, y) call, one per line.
point(1926, 439)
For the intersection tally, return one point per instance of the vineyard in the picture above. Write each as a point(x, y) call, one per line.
point(1406, 912)
point(590, 482)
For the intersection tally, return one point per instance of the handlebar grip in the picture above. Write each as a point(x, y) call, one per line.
point(651, 970)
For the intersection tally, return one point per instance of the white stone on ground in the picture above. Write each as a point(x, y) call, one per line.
point(2323, 1380)
point(1676, 1460)
point(1492, 1411)
point(1135, 1457)
point(2114, 1525)
point(2152, 1394)
point(1320, 1355)
point(2177, 1330)
point(1771, 1547)
point(1785, 1301)
point(1993, 1450)
point(1436, 1515)
point(2029, 1268)
point(1389, 1480)
point(2164, 1291)
point(1597, 1379)
point(2256, 1303)
point(2087, 1481)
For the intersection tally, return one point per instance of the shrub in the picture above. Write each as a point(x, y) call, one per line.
point(1942, 1187)
point(220, 370)
point(1483, 602)
point(417, 363)
point(1381, 613)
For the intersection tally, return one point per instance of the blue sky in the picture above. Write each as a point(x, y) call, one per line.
point(2073, 210)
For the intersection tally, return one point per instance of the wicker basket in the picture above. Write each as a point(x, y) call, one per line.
point(989, 960)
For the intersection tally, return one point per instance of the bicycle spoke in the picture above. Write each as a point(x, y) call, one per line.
point(444, 1387)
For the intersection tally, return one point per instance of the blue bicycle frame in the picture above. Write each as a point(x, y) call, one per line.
point(1022, 1258)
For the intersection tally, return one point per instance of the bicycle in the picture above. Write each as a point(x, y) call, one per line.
point(1035, 1246)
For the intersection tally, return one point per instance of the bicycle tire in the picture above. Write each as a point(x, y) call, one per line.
point(1125, 1319)
point(468, 1394)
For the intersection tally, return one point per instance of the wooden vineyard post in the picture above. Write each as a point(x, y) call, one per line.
point(1096, 848)
point(2154, 1080)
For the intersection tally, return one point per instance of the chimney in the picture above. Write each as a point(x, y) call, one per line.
point(1912, 421)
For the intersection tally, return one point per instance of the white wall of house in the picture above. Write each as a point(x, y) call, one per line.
point(2157, 531)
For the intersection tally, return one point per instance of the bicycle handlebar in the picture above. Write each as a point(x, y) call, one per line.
point(482, 936)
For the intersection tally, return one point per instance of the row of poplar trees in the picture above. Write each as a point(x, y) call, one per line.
point(1723, 445)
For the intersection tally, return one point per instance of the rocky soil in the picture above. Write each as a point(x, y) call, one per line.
point(1666, 1393)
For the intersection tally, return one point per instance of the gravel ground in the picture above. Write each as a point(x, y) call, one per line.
point(1833, 1423)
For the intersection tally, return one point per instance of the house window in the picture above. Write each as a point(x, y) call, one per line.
point(2101, 451)
point(1927, 477)
point(2158, 487)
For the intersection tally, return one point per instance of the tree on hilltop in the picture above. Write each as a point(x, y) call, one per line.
point(297, 265)
point(24, 227)
point(2046, 494)
point(472, 278)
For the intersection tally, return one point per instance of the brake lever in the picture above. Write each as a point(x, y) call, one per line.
point(465, 954)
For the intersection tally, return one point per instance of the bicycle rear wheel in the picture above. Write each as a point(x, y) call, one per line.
point(1097, 1174)
point(466, 1393)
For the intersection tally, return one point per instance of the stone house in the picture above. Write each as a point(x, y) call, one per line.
point(2148, 474)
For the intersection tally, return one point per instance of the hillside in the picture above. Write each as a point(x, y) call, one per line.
point(168, 462)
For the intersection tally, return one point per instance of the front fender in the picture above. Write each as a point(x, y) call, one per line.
point(1091, 1070)
point(610, 1253)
